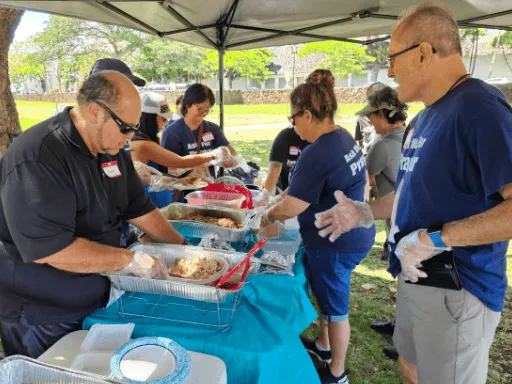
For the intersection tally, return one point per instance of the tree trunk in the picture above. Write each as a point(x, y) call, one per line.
point(374, 72)
point(9, 123)
point(494, 51)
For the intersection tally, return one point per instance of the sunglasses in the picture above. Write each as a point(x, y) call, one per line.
point(123, 127)
point(291, 118)
point(391, 58)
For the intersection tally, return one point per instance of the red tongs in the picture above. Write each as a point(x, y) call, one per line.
point(223, 282)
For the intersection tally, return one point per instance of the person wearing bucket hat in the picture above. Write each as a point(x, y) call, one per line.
point(145, 144)
point(387, 114)
point(365, 133)
point(116, 65)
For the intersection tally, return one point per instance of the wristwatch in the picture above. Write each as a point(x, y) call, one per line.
point(434, 232)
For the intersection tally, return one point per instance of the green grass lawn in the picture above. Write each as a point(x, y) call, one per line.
point(365, 358)
point(32, 112)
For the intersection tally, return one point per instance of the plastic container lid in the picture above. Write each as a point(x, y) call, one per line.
point(218, 199)
point(107, 337)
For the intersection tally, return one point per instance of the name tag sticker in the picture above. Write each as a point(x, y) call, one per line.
point(111, 169)
point(294, 151)
point(208, 136)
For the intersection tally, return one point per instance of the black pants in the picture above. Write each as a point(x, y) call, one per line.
point(22, 338)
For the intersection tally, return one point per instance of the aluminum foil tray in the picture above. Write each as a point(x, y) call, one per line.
point(287, 244)
point(169, 252)
point(177, 214)
point(24, 370)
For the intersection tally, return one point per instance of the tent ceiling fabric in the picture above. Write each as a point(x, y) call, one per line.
point(204, 23)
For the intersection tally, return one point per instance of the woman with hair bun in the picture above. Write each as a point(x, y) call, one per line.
point(287, 145)
point(333, 162)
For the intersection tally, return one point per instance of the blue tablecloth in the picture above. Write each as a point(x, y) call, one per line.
point(262, 346)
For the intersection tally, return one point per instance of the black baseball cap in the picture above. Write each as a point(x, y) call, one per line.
point(117, 66)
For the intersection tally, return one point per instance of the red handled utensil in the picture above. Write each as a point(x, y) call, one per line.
point(223, 282)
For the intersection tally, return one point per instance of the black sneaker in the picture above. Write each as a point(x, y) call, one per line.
point(310, 345)
point(326, 377)
point(383, 327)
point(391, 352)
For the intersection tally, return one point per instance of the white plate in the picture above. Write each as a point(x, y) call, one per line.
point(181, 187)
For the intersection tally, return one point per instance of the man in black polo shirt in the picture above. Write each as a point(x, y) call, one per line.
point(64, 188)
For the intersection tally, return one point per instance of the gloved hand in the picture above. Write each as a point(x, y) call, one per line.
point(145, 172)
point(177, 171)
point(274, 200)
point(242, 163)
point(411, 251)
point(343, 217)
point(159, 183)
point(230, 163)
point(202, 172)
point(143, 265)
point(262, 200)
point(221, 154)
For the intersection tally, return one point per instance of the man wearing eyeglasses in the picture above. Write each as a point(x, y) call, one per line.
point(64, 188)
point(452, 208)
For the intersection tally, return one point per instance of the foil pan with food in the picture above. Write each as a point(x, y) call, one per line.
point(230, 224)
point(180, 282)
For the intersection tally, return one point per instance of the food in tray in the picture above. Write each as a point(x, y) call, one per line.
point(221, 222)
point(192, 181)
point(195, 268)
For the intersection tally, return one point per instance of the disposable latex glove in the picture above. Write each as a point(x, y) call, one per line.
point(143, 265)
point(411, 250)
point(343, 217)
point(145, 172)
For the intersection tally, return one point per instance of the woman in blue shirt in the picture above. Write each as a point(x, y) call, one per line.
point(332, 162)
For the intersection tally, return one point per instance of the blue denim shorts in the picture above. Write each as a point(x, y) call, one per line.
point(328, 272)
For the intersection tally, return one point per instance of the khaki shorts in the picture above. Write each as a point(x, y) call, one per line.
point(445, 333)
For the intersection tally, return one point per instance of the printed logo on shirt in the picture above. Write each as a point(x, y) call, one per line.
point(208, 136)
point(294, 151)
point(407, 163)
point(358, 165)
point(111, 169)
point(408, 139)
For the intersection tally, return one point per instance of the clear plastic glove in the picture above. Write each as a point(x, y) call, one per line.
point(143, 265)
point(343, 217)
point(262, 200)
point(145, 172)
point(160, 183)
point(202, 172)
point(221, 155)
point(411, 251)
point(274, 200)
point(242, 163)
point(177, 171)
point(230, 163)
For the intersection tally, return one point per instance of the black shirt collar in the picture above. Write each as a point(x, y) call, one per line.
point(72, 134)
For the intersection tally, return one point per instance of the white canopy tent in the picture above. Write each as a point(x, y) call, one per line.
point(242, 24)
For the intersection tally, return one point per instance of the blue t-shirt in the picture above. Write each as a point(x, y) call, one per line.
point(333, 162)
point(180, 139)
point(455, 160)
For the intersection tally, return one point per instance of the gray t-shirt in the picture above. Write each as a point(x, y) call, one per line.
point(383, 159)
